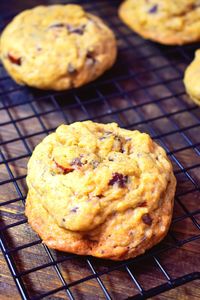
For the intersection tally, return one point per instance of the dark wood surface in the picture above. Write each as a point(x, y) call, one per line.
point(178, 261)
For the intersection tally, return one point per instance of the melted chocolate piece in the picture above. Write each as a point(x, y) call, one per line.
point(76, 162)
point(77, 30)
point(119, 179)
point(15, 60)
point(147, 219)
point(71, 29)
point(153, 9)
point(74, 210)
point(58, 25)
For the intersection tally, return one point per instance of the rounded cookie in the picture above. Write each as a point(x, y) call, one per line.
point(100, 190)
point(57, 47)
point(170, 22)
point(191, 78)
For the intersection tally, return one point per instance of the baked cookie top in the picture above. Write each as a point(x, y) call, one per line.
point(191, 78)
point(106, 189)
point(57, 47)
point(172, 22)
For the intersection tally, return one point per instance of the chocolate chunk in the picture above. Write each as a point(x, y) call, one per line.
point(153, 9)
point(76, 162)
point(63, 219)
point(74, 210)
point(77, 30)
point(14, 60)
point(147, 219)
point(118, 179)
point(71, 69)
point(71, 29)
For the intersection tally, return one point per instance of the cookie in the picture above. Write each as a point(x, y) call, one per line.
point(57, 47)
point(170, 22)
point(191, 79)
point(100, 190)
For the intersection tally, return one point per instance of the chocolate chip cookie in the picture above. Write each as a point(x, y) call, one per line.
point(96, 189)
point(191, 79)
point(170, 22)
point(57, 47)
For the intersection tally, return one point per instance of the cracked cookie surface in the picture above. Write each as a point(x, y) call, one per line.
point(100, 190)
point(171, 22)
point(57, 47)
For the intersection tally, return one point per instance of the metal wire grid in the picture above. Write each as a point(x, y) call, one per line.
point(143, 91)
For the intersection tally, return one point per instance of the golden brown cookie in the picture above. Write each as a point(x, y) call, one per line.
point(57, 47)
point(100, 190)
point(171, 22)
point(192, 79)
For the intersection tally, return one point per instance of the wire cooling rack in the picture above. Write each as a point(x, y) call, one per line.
point(144, 91)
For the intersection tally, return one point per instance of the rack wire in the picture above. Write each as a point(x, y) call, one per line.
point(144, 91)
